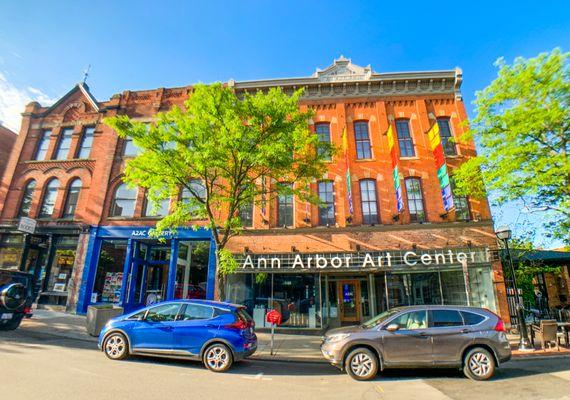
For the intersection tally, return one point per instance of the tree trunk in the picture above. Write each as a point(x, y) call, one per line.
point(220, 282)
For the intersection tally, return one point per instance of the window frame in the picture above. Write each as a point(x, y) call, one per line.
point(409, 139)
point(164, 305)
point(445, 143)
point(431, 319)
point(33, 191)
point(321, 221)
point(146, 209)
point(183, 309)
point(286, 203)
point(62, 136)
point(327, 156)
point(391, 321)
point(84, 134)
point(45, 137)
point(112, 208)
point(362, 142)
point(375, 201)
point(65, 214)
point(47, 190)
point(419, 180)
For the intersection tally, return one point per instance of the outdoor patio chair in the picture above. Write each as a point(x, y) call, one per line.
point(547, 333)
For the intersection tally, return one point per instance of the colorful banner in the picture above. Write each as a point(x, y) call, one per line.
point(348, 181)
point(442, 175)
point(395, 174)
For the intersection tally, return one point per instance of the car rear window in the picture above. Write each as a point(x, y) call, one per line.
point(243, 315)
point(472, 318)
point(445, 318)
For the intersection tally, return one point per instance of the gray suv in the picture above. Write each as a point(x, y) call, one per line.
point(469, 338)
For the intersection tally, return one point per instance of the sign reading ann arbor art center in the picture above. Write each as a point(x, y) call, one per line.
point(358, 261)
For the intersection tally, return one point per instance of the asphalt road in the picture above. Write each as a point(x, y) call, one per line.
point(39, 365)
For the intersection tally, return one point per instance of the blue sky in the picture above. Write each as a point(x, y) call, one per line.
point(45, 46)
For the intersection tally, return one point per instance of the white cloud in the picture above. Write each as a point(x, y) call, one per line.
point(13, 101)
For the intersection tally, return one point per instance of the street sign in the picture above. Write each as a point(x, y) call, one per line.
point(274, 317)
point(27, 225)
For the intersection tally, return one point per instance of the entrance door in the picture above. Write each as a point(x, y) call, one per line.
point(349, 301)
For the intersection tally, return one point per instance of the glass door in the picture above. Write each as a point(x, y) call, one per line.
point(349, 300)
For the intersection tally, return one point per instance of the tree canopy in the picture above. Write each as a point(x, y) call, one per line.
point(522, 127)
point(224, 153)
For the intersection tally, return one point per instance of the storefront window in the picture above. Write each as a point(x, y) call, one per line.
point(453, 288)
point(296, 297)
point(109, 277)
point(61, 268)
point(10, 257)
point(481, 288)
point(192, 270)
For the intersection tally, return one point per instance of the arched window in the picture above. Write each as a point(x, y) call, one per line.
point(50, 196)
point(124, 201)
point(27, 197)
point(151, 209)
point(72, 197)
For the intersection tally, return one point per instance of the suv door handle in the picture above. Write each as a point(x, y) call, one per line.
point(423, 335)
point(465, 330)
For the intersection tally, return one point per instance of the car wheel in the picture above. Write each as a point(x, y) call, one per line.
point(11, 325)
point(361, 364)
point(479, 364)
point(218, 358)
point(116, 346)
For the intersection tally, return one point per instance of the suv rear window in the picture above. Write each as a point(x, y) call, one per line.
point(445, 318)
point(471, 318)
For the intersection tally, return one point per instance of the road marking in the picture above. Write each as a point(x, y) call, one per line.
point(379, 389)
point(258, 377)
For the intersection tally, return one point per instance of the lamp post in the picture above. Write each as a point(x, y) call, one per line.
point(504, 234)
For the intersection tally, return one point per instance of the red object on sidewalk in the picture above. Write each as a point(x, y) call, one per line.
point(273, 317)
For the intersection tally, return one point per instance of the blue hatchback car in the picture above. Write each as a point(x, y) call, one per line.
point(216, 333)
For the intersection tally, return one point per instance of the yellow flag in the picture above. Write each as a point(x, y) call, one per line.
point(390, 137)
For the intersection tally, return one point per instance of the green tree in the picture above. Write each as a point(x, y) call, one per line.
point(522, 127)
point(225, 153)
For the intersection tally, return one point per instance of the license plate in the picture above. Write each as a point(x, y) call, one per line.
point(6, 316)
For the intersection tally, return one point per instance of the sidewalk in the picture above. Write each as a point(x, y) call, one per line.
point(288, 347)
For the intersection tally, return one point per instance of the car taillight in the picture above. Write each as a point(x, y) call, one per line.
point(28, 310)
point(239, 325)
point(500, 327)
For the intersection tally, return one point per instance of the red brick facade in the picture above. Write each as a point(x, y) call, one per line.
point(7, 140)
point(377, 99)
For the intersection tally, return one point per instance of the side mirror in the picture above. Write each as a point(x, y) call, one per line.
point(392, 327)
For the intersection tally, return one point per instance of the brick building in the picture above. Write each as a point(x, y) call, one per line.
point(353, 257)
point(7, 140)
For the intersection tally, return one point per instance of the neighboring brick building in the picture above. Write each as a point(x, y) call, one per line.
point(7, 140)
point(95, 229)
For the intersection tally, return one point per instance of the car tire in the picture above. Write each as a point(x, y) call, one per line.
point(218, 358)
point(116, 346)
point(479, 364)
point(361, 364)
point(11, 325)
